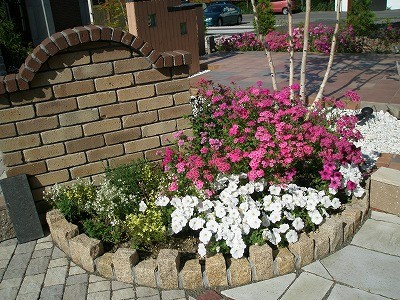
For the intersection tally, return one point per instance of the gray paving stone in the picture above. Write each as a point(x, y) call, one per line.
point(123, 294)
point(58, 262)
point(76, 279)
point(95, 278)
point(172, 294)
point(154, 297)
point(318, 269)
point(99, 286)
point(55, 276)
point(45, 239)
point(76, 270)
point(38, 265)
point(379, 216)
point(14, 273)
point(304, 287)
point(4, 263)
point(6, 252)
point(31, 284)
point(8, 293)
point(42, 253)
point(25, 248)
point(366, 270)
point(41, 246)
point(340, 292)
point(142, 291)
point(28, 296)
point(117, 285)
point(379, 236)
point(57, 253)
point(2, 271)
point(10, 283)
point(274, 288)
point(104, 295)
point(75, 292)
point(19, 261)
point(54, 292)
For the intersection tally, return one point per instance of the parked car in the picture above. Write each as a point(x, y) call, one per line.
point(281, 6)
point(222, 14)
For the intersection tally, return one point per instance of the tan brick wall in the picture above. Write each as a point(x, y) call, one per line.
point(90, 106)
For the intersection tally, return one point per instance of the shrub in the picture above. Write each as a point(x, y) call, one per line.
point(361, 17)
point(242, 42)
point(266, 17)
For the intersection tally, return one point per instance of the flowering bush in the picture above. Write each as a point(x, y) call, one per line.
point(260, 167)
point(239, 42)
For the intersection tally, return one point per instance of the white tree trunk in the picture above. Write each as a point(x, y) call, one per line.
point(331, 55)
point(291, 50)
point(267, 52)
point(305, 50)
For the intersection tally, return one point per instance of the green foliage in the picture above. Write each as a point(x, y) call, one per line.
point(97, 229)
point(361, 17)
point(266, 18)
point(112, 13)
point(14, 49)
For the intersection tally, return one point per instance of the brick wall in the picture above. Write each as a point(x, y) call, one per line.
point(86, 98)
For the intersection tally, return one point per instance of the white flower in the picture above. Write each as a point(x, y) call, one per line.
point(259, 186)
point(275, 216)
point(358, 192)
point(162, 201)
point(336, 203)
point(332, 191)
point(212, 225)
point(142, 206)
point(277, 236)
point(283, 228)
point(196, 223)
point(202, 250)
point(251, 218)
point(291, 236)
point(205, 205)
point(298, 224)
point(275, 190)
point(205, 235)
point(176, 202)
point(315, 216)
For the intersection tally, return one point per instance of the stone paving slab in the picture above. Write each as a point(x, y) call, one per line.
point(318, 269)
point(340, 292)
point(379, 216)
point(379, 236)
point(365, 269)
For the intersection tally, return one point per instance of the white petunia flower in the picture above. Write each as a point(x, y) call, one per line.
point(359, 192)
point(275, 216)
point(202, 250)
point(336, 203)
point(212, 225)
point(298, 224)
point(315, 216)
point(283, 228)
point(205, 235)
point(162, 201)
point(275, 190)
point(142, 206)
point(196, 223)
point(291, 236)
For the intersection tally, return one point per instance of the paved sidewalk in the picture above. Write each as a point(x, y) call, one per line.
point(373, 76)
point(368, 268)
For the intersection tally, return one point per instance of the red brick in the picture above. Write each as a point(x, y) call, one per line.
point(97, 99)
point(85, 143)
point(146, 49)
point(168, 59)
point(117, 34)
point(40, 54)
point(49, 46)
point(61, 134)
point(73, 88)
point(137, 43)
point(32, 63)
point(65, 161)
point(12, 158)
point(142, 144)
point(155, 103)
point(175, 112)
point(22, 84)
point(26, 74)
point(71, 37)
point(131, 65)
point(140, 119)
point(83, 34)
point(94, 32)
point(59, 40)
point(110, 54)
point(104, 153)
point(135, 93)
point(56, 107)
point(127, 38)
point(28, 169)
point(117, 110)
point(87, 170)
point(47, 179)
point(37, 125)
point(159, 63)
point(187, 56)
point(7, 130)
point(105, 33)
point(123, 136)
point(11, 83)
point(178, 58)
point(102, 126)
point(154, 55)
point(43, 152)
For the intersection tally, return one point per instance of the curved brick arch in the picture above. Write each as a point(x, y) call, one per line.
point(84, 34)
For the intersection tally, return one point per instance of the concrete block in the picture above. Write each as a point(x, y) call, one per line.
point(216, 270)
point(321, 243)
point(191, 275)
point(124, 260)
point(145, 272)
point(84, 250)
point(385, 190)
point(104, 265)
point(168, 261)
point(333, 227)
point(303, 251)
point(239, 272)
point(284, 262)
point(262, 260)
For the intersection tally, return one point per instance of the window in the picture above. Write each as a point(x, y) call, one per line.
point(151, 20)
point(183, 28)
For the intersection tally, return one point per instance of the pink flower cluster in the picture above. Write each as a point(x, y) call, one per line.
point(266, 135)
point(240, 42)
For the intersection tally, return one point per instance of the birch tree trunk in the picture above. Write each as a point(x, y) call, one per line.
point(291, 49)
point(305, 51)
point(331, 55)
point(267, 52)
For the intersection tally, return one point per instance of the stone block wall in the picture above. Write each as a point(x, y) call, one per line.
point(87, 98)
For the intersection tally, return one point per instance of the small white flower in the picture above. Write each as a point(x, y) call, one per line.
point(298, 224)
point(196, 223)
point(212, 225)
point(315, 216)
point(336, 203)
point(162, 201)
point(291, 236)
point(275, 216)
point(142, 206)
point(283, 228)
point(202, 250)
point(205, 236)
point(359, 192)
point(275, 190)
